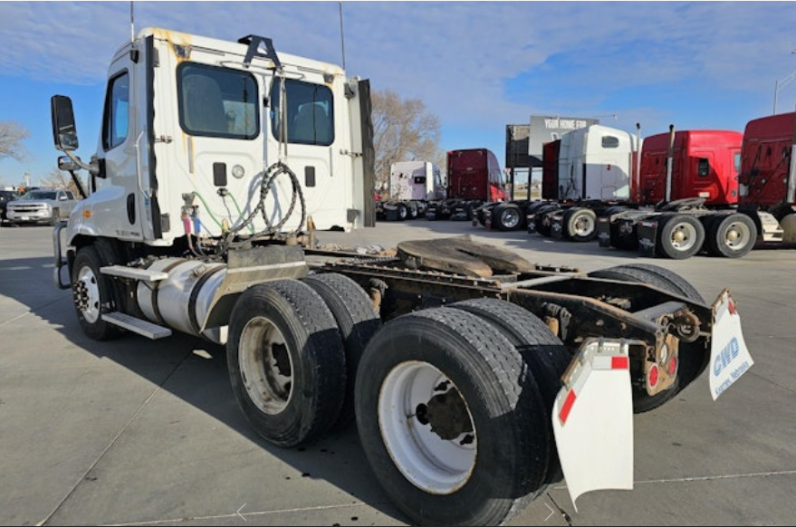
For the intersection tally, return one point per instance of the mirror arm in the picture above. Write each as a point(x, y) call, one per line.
point(94, 169)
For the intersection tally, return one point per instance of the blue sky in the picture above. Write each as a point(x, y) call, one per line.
point(477, 66)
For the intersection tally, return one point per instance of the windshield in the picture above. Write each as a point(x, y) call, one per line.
point(39, 194)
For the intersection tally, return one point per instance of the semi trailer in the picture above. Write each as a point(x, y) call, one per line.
point(476, 378)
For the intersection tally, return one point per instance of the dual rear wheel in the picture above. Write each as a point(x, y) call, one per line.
point(729, 235)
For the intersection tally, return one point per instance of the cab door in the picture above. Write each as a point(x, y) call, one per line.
point(113, 208)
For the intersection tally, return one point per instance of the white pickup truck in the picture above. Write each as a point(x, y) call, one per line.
point(41, 206)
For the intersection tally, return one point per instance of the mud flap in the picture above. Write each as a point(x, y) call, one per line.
point(647, 238)
point(531, 220)
point(593, 420)
point(604, 232)
point(729, 356)
point(557, 227)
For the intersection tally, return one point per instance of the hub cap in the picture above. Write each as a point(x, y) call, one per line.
point(265, 365)
point(683, 236)
point(427, 428)
point(86, 295)
point(737, 235)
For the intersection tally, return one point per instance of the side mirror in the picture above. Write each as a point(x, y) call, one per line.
point(67, 165)
point(62, 197)
point(63, 122)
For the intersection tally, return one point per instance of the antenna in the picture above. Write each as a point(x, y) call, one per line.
point(342, 34)
point(132, 23)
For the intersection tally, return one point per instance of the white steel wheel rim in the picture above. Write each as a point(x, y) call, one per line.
point(511, 218)
point(265, 365)
point(737, 235)
point(683, 237)
point(433, 464)
point(90, 303)
point(584, 225)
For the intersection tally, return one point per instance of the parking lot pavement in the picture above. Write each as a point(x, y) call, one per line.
point(139, 432)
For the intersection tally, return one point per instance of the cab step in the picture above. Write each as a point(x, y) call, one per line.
point(141, 275)
point(136, 325)
point(772, 231)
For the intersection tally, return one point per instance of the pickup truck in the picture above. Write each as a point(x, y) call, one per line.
point(41, 206)
point(5, 197)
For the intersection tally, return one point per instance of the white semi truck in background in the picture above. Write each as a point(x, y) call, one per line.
point(412, 186)
point(475, 377)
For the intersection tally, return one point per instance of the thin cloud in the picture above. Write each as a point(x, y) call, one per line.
point(472, 63)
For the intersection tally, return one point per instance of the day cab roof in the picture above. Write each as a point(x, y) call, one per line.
point(233, 51)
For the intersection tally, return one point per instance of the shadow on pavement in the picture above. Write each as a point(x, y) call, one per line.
point(195, 371)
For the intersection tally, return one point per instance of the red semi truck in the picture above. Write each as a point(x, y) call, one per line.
point(764, 214)
point(690, 172)
point(474, 178)
point(591, 195)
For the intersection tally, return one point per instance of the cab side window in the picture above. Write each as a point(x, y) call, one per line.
point(117, 108)
point(703, 167)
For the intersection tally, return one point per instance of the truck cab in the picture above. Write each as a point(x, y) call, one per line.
point(190, 126)
point(705, 165)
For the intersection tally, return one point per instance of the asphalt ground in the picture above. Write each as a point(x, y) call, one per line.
point(148, 433)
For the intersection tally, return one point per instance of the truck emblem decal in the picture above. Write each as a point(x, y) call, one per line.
point(727, 355)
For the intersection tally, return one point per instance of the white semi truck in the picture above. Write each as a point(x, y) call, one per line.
point(475, 377)
point(412, 185)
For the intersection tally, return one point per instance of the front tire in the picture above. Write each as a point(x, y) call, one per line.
point(286, 362)
point(94, 294)
point(450, 420)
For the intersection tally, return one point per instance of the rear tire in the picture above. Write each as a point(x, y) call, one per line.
point(544, 352)
point(509, 217)
point(403, 211)
point(731, 236)
point(357, 320)
point(412, 210)
point(286, 362)
point(580, 225)
point(693, 357)
point(680, 236)
point(450, 420)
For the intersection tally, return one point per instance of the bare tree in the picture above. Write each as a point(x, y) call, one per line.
point(11, 136)
point(403, 130)
point(59, 179)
